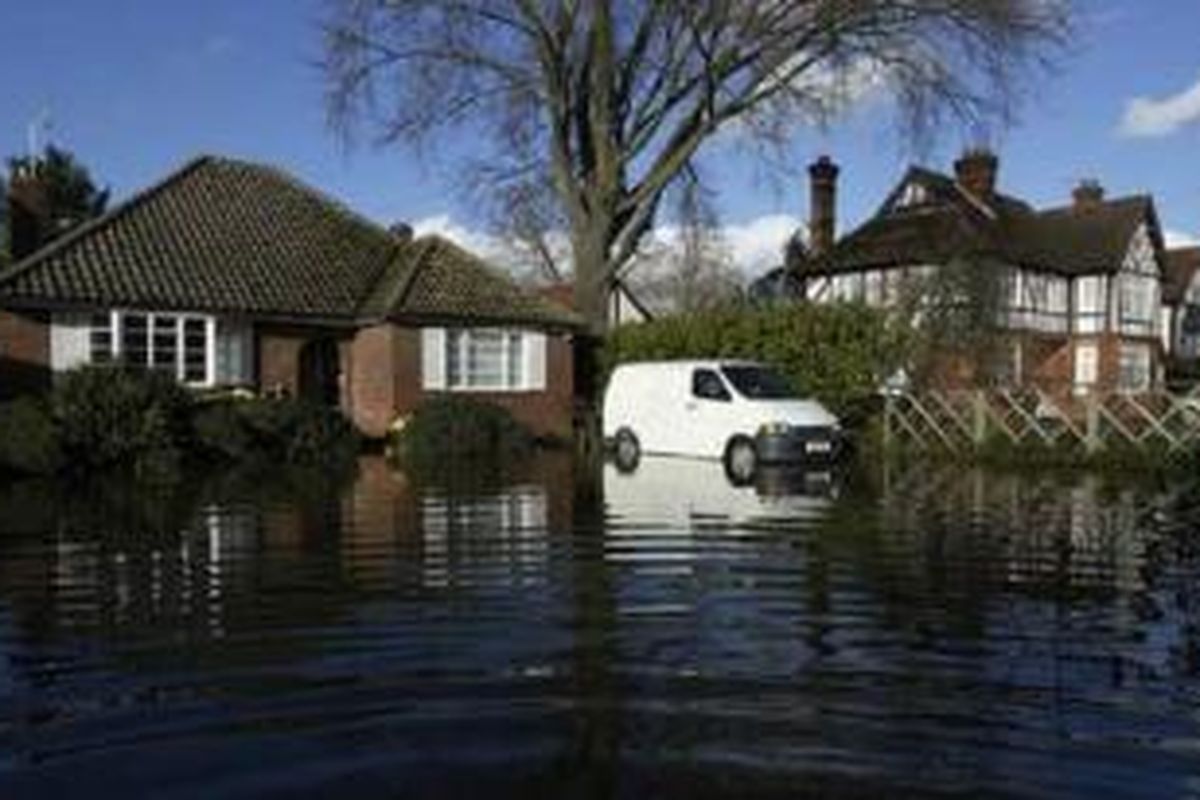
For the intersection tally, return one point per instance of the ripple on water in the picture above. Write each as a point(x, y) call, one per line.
point(914, 634)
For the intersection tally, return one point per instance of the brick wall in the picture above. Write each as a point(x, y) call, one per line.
point(24, 353)
point(370, 368)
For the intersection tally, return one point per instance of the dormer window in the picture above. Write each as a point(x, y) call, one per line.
point(914, 194)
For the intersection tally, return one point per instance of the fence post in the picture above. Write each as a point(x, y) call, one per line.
point(888, 399)
point(979, 418)
point(1092, 435)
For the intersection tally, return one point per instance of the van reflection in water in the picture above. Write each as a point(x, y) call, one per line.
point(682, 491)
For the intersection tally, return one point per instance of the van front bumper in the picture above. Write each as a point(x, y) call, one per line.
point(797, 445)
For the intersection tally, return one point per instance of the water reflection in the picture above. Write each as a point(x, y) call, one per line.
point(567, 632)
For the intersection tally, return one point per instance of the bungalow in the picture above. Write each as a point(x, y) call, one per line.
point(1080, 284)
point(229, 273)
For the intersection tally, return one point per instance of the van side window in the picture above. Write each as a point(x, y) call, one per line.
point(707, 385)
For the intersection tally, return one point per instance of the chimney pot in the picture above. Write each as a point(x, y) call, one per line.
point(976, 172)
point(1088, 195)
point(822, 208)
point(401, 231)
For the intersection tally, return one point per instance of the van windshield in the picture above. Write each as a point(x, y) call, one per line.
point(758, 383)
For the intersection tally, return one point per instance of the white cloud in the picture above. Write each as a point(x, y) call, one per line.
point(1151, 117)
point(482, 244)
point(753, 246)
point(1180, 239)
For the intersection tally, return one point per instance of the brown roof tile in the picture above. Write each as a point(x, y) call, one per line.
point(222, 235)
point(1063, 240)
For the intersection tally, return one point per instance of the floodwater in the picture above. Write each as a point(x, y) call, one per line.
point(915, 632)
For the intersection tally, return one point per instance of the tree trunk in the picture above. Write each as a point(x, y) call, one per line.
point(592, 282)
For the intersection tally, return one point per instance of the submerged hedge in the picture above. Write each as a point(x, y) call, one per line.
point(99, 419)
point(838, 353)
point(447, 433)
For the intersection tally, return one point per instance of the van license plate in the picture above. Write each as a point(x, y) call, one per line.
point(818, 447)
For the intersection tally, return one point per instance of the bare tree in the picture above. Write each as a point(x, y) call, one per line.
point(609, 102)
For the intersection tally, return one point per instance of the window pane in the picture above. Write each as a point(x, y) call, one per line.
point(454, 366)
point(235, 347)
point(485, 364)
point(100, 339)
point(166, 343)
point(516, 362)
point(135, 339)
point(195, 351)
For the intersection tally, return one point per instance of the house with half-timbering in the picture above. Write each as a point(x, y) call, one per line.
point(1181, 308)
point(235, 274)
point(1081, 285)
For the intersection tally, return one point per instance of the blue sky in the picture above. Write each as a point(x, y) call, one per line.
point(136, 87)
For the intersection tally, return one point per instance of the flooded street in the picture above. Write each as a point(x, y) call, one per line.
point(919, 632)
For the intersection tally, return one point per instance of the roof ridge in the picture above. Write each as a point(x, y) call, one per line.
point(132, 202)
point(299, 184)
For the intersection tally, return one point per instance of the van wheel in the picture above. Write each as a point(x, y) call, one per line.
point(627, 451)
point(741, 460)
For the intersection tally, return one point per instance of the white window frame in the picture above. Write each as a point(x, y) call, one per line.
point(117, 319)
point(522, 357)
point(1086, 367)
point(1142, 370)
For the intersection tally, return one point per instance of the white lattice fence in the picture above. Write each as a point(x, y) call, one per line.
point(960, 422)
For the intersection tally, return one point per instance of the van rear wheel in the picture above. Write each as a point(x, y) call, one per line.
point(627, 451)
point(741, 460)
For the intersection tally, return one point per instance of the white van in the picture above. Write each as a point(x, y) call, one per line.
point(740, 411)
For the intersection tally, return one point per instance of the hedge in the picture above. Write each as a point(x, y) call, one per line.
point(837, 353)
point(101, 418)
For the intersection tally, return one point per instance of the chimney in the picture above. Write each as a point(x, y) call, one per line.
point(28, 212)
point(976, 172)
point(1088, 195)
point(822, 206)
point(401, 232)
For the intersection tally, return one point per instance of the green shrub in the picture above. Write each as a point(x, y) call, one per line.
point(278, 430)
point(452, 430)
point(29, 439)
point(115, 415)
point(838, 353)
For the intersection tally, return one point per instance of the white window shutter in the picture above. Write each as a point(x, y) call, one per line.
point(433, 358)
point(69, 341)
point(535, 360)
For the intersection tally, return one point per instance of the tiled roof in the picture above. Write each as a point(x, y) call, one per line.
point(951, 223)
point(445, 282)
point(218, 235)
point(221, 235)
point(1182, 264)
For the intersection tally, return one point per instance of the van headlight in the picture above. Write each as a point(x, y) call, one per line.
point(774, 429)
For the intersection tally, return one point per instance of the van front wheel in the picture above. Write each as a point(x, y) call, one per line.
point(627, 451)
point(741, 460)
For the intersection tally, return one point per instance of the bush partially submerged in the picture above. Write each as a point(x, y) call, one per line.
point(455, 430)
point(289, 431)
point(102, 418)
point(29, 438)
point(109, 416)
